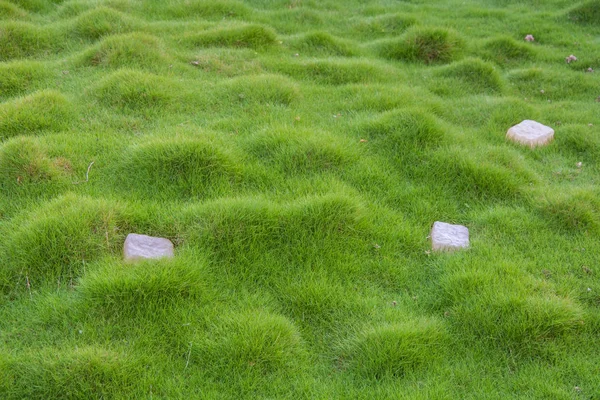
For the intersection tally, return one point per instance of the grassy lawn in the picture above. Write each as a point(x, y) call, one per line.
point(297, 153)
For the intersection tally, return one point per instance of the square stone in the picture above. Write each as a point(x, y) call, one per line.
point(139, 247)
point(531, 133)
point(449, 237)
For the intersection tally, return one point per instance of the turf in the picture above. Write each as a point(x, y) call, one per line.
point(297, 153)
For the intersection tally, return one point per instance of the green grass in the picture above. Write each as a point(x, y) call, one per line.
point(297, 153)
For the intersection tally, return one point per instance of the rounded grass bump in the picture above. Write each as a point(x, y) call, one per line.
point(320, 43)
point(207, 9)
point(178, 169)
point(262, 89)
point(136, 90)
point(587, 13)
point(505, 50)
point(394, 350)
point(253, 342)
point(9, 10)
point(81, 372)
point(337, 71)
point(23, 161)
point(128, 50)
point(425, 45)
point(384, 25)
point(47, 110)
point(18, 77)
point(24, 39)
point(474, 75)
point(102, 21)
point(251, 36)
point(116, 290)
point(55, 241)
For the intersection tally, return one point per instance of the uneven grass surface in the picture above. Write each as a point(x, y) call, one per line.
point(297, 153)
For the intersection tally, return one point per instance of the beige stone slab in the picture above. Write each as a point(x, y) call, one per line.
point(531, 133)
point(448, 237)
point(139, 247)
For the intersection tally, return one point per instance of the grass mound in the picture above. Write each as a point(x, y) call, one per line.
point(129, 50)
point(586, 13)
point(46, 110)
point(394, 350)
point(53, 243)
point(245, 231)
point(474, 76)
point(384, 25)
point(11, 11)
point(101, 21)
point(423, 44)
point(24, 162)
point(557, 85)
point(179, 169)
point(18, 77)
point(405, 131)
point(251, 36)
point(136, 91)
point(205, 9)
point(23, 39)
point(505, 50)
point(519, 322)
point(249, 344)
point(574, 211)
point(116, 290)
point(496, 174)
point(262, 89)
point(69, 374)
point(323, 44)
point(337, 72)
point(38, 6)
point(301, 152)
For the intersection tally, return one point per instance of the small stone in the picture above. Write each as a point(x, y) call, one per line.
point(529, 38)
point(449, 237)
point(138, 247)
point(579, 164)
point(590, 69)
point(570, 59)
point(531, 133)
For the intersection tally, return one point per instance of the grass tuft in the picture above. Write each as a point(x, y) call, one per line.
point(45, 110)
point(423, 44)
point(175, 168)
point(249, 344)
point(23, 39)
point(18, 77)
point(384, 25)
point(24, 162)
point(474, 76)
point(129, 50)
point(101, 21)
point(251, 36)
point(69, 374)
point(574, 211)
point(135, 90)
point(53, 243)
point(394, 350)
point(262, 89)
point(11, 11)
point(504, 50)
point(205, 9)
point(336, 71)
point(320, 43)
point(295, 152)
point(116, 290)
point(587, 12)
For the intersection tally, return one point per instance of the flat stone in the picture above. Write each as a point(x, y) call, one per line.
point(139, 247)
point(449, 237)
point(531, 133)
